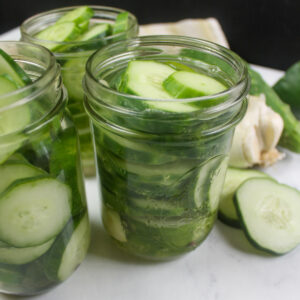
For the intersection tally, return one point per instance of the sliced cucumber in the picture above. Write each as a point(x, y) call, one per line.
point(20, 256)
point(10, 67)
point(78, 15)
point(183, 84)
point(69, 249)
point(33, 211)
point(61, 32)
point(269, 213)
point(9, 146)
point(72, 73)
point(121, 23)
point(233, 179)
point(12, 171)
point(216, 185)
point(7, 85)
point(65, 164)
point(201, 185)
point(17, 158)
point(145, 78)
point(95, 32)
point(113, 224)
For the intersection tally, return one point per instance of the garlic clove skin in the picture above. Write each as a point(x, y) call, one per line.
point(257, 135)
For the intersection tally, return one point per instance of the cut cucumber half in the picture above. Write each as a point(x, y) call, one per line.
point(183, 84)
point(12, 171)
point(33, 211)
point(145, 78)
point(78, 15)
point(122, 23)
point(20, 256)
point(113, 224)
point(61, 32)
point(9, 67)
point(69, 249)
point(233, 179)
point(95, 32)
point(269, 214)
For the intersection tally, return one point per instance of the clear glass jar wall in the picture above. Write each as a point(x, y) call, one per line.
point(43, 211)
point(161, 169)
point(72, 57)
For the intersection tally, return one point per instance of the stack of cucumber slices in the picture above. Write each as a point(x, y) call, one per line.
point(44, 226)
point(76, 26)
point(267, 211)
point(157, 80)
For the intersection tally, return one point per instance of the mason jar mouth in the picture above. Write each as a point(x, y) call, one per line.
point(38, 22)
point(40, 65)
point(106, 60)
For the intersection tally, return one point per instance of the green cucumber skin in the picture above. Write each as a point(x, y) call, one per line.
point(121, 23)
point(78, 15)
point(290, 137)
point(229, 221)
point(245, 229)
point(65, 165)
point(288, 88)
point(52, 260)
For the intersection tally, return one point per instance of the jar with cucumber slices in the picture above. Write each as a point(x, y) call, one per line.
point(163, 124)
point(73, 34)
point(44, 227)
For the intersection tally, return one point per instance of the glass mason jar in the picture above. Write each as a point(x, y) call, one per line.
point(72, 57)
point(161, 163)
point(44, 227)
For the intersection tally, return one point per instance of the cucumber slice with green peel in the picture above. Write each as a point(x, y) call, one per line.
point(69, 249)
point(233, 179)
point(145, 78)
point(20, 256)
point(61, 32)
point(121, 23)
point(72, 74)
point(9, 67)
point(201, 186)
point(8, 147)
point(216, 185)
point(113, 224)
point(184, 84)
point(78, 15)
point(12, 171)
point(7, 85)
point(65, 165)
point(33, 211)
point(269, 214)
point(95, 32)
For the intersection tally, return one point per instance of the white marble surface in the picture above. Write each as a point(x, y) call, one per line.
point(224, 267)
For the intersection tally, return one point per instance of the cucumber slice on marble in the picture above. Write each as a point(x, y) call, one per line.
point(9, 67)
point(184, 84)
point(33, 211)
point(69, 249)
point(233, 179)
point(20, 256)
point(269, 214)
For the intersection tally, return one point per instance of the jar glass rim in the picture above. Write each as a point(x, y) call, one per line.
point(50, 67)
point(26, 25)
point(169, 40)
